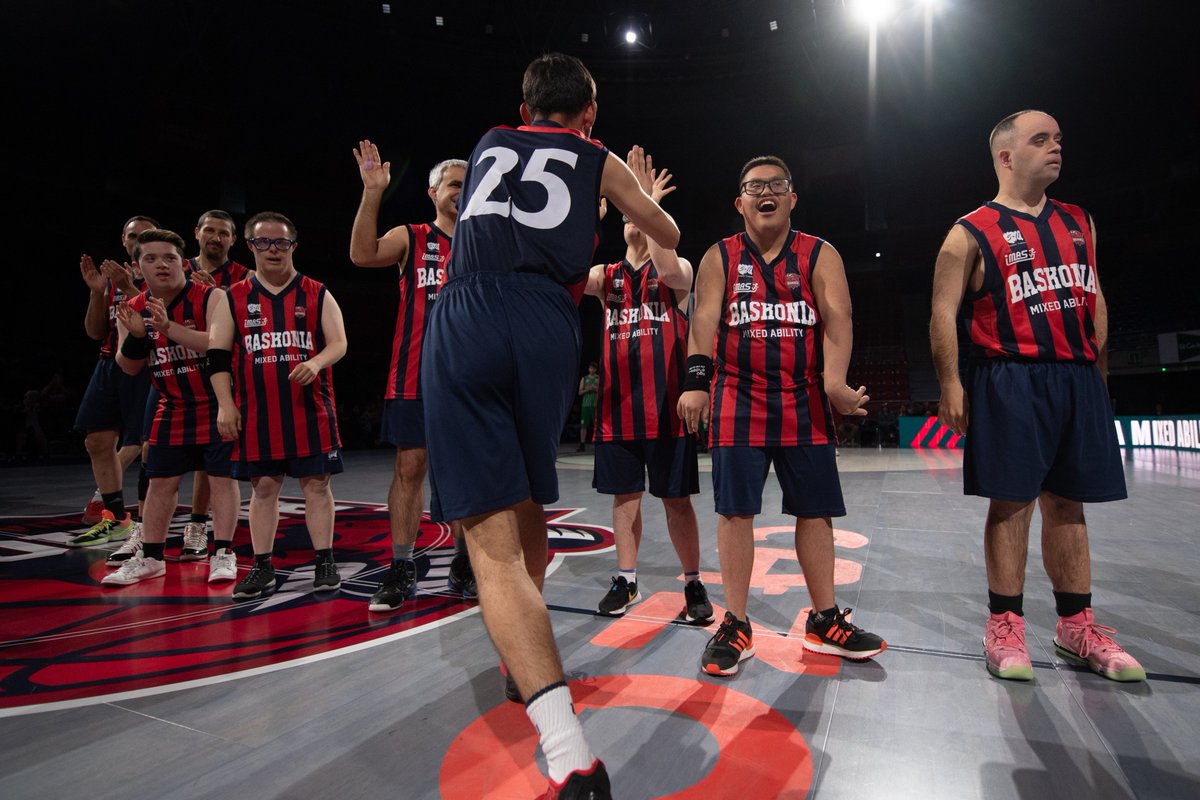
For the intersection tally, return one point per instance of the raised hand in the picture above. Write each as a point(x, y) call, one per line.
point(93, 277)
point(158, 315)
point(375, 173)
point(652, 182)
point(131, 320)
point(203, 277)
point(121, 276)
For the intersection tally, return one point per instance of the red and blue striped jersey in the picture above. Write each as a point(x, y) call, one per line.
point(643, 358)
point(768, 357)
point(272, 334)
point(421, 277)
point(108, 347)
point(229, 273)
point(1038, 297)
point(187, 406)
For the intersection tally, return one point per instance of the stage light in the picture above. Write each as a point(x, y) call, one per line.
point(879, 255)
point(630, 37)
point(387, 8)
point(874, 12)
point(583, 37)
point(773, 25)
point(439, 21)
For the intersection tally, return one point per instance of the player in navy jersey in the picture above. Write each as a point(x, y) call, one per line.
point(272, 347)
point(499, 371)
point(421, 253)
point(110, 413)
point(776, 303)
point(215, 233)
point(644, 351)
point(165, 328)
point(1020, 272)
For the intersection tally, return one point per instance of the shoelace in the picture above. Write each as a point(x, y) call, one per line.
point(130, 566)
point(1006, 634)
point(727, 634)
point(1096, 637)
point(193, 537)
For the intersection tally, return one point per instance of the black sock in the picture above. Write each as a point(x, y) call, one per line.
point(1068, 604)
point(262, 559)
point(143, 483)
point(325, 555)
point(115, 502)
point(151, 550)
point(200, 518)
point(219, 543)
point(1000, 603)
point(828, 613)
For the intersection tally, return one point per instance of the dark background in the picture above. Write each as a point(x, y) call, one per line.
point(168, 109)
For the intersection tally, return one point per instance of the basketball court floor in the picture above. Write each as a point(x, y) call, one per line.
point(168, 689)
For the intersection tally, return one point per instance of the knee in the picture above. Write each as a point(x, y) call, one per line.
point(98, 443)
point(1059, 510)
point(316, 488)
point(266, 489)
point(410, 467)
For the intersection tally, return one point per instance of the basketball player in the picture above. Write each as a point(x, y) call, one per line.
point(644, 354)
point(166, 327)
point(215, 232)
point(776, 304)
point(420, 252)
point(274, 342)
point(1020, 272)
point(502, 350)
point(110, 413)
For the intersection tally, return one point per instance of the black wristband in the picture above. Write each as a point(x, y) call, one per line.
point(219, 361)
point(699, 374)
point(135, 348)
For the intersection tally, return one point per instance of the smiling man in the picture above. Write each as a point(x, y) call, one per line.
point(776, 304)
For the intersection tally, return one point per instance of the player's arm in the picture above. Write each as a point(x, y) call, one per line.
point(620, 186)
point(95, 319)
point(365, 249)
point(693, 407)
point(180, 334)
point(832, 294)
point(334, 331)
point(1100, 322)
point(595, 282)
point(955, 262)
point(220, 364)
point(132, 344)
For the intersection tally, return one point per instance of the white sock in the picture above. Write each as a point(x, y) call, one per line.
point(561, 735)
point(628, 574)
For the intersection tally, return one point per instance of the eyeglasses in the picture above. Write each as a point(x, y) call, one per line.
point(263, 243)
point(777, 185)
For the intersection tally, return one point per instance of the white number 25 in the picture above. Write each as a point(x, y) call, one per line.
point(558, 196)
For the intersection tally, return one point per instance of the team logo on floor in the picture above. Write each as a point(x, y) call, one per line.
point(66, 638)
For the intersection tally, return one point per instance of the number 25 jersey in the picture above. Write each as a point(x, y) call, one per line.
point(530, 203)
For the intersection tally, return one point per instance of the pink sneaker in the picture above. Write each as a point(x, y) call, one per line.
point(1081, 641)
point(1004, 647)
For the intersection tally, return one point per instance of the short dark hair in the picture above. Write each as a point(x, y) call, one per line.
point(217, 213)
point(269, 216)
point(1006, 126)
point(157, 235)
point(759, 161)
point(557, 84)
point(142, 218)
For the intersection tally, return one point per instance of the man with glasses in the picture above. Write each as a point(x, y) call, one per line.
point(637, 428)
point(776, 304)
point(421, 253)
point(274, 342)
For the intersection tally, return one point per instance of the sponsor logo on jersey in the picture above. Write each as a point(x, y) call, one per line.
point(1012, 237)
point(1077, 238)
point(431, 245)
point(78, 641)
point(1028, 254)
point(256, 322)
point(301, 312)
point(745, 286)
point(652, 284)
point(254, 308)
point(618, 282)
point(792, 280)
point(745, 269)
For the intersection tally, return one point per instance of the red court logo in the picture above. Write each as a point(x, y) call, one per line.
point(65, 638)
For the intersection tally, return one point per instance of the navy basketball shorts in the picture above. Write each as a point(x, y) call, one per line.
point(403, 423)
point(498, 373)
point(148, 416)
point(1035, 427)
point(303, 467)
point(171, 460)
point(621, 467)
point(114, 401)
point(807, 475)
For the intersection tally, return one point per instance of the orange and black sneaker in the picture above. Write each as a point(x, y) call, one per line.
point(834, 635)
point(732, 644)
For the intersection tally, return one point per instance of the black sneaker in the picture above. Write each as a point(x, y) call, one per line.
point(698, 611)
point(462, 578)
point(580, 785)
point(511, 691)
point(259, 579)
point(835, 636)
point(621, 595)
point(326, 577)
point(732, 644)
point(399, 585)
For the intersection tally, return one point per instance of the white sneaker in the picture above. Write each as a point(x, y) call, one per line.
point(222, 566)
point(195, 542)
point(136, 568)
point(131, 545)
